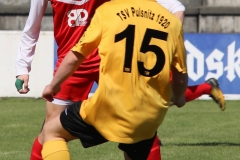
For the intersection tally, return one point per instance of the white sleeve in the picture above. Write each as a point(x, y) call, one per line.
point(30, 36)
point(172, 5)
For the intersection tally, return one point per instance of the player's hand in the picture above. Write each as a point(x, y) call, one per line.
point(21, 84)
point(179, 102)
point(49, 91)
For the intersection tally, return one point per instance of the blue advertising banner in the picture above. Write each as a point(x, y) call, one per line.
point(213, 55)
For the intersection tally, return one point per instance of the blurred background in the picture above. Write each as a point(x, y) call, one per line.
point(198, 131)
point(202, 16)
point(212, 42)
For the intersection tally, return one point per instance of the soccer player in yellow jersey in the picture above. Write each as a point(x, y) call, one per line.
point(139, 42)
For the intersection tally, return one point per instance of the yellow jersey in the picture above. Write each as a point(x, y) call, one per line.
point(138, 42)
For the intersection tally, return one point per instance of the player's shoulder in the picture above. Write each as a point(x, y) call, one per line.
point(107, 8)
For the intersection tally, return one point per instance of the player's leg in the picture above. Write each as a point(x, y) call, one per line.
point(155, 153)
point(216, 93)
point(211, 88)
point(52, 110)
point(139, 150)
point(194, 92)
point(68, 126)
point(55, 141)
point(74, 88)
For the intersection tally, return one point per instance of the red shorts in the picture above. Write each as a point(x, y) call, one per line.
point(78, 86)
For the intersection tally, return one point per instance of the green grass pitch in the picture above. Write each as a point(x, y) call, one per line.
point(198, 131)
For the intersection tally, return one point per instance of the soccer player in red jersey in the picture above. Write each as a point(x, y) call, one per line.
point(70, 18)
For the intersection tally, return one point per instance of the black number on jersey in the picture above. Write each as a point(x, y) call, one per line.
point(129, 34)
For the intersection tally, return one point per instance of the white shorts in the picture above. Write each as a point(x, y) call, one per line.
point(62, 102)
point(66, 102)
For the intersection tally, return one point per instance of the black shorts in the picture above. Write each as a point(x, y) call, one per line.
point(89, 136)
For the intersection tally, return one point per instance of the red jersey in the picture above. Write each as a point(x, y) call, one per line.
point(71, 18)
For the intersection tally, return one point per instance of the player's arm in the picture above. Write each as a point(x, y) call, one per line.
point(179, 73)
point(69, 64)
point(179, 85)
point(180, 15)
point(28, 42)
point(175, 7)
